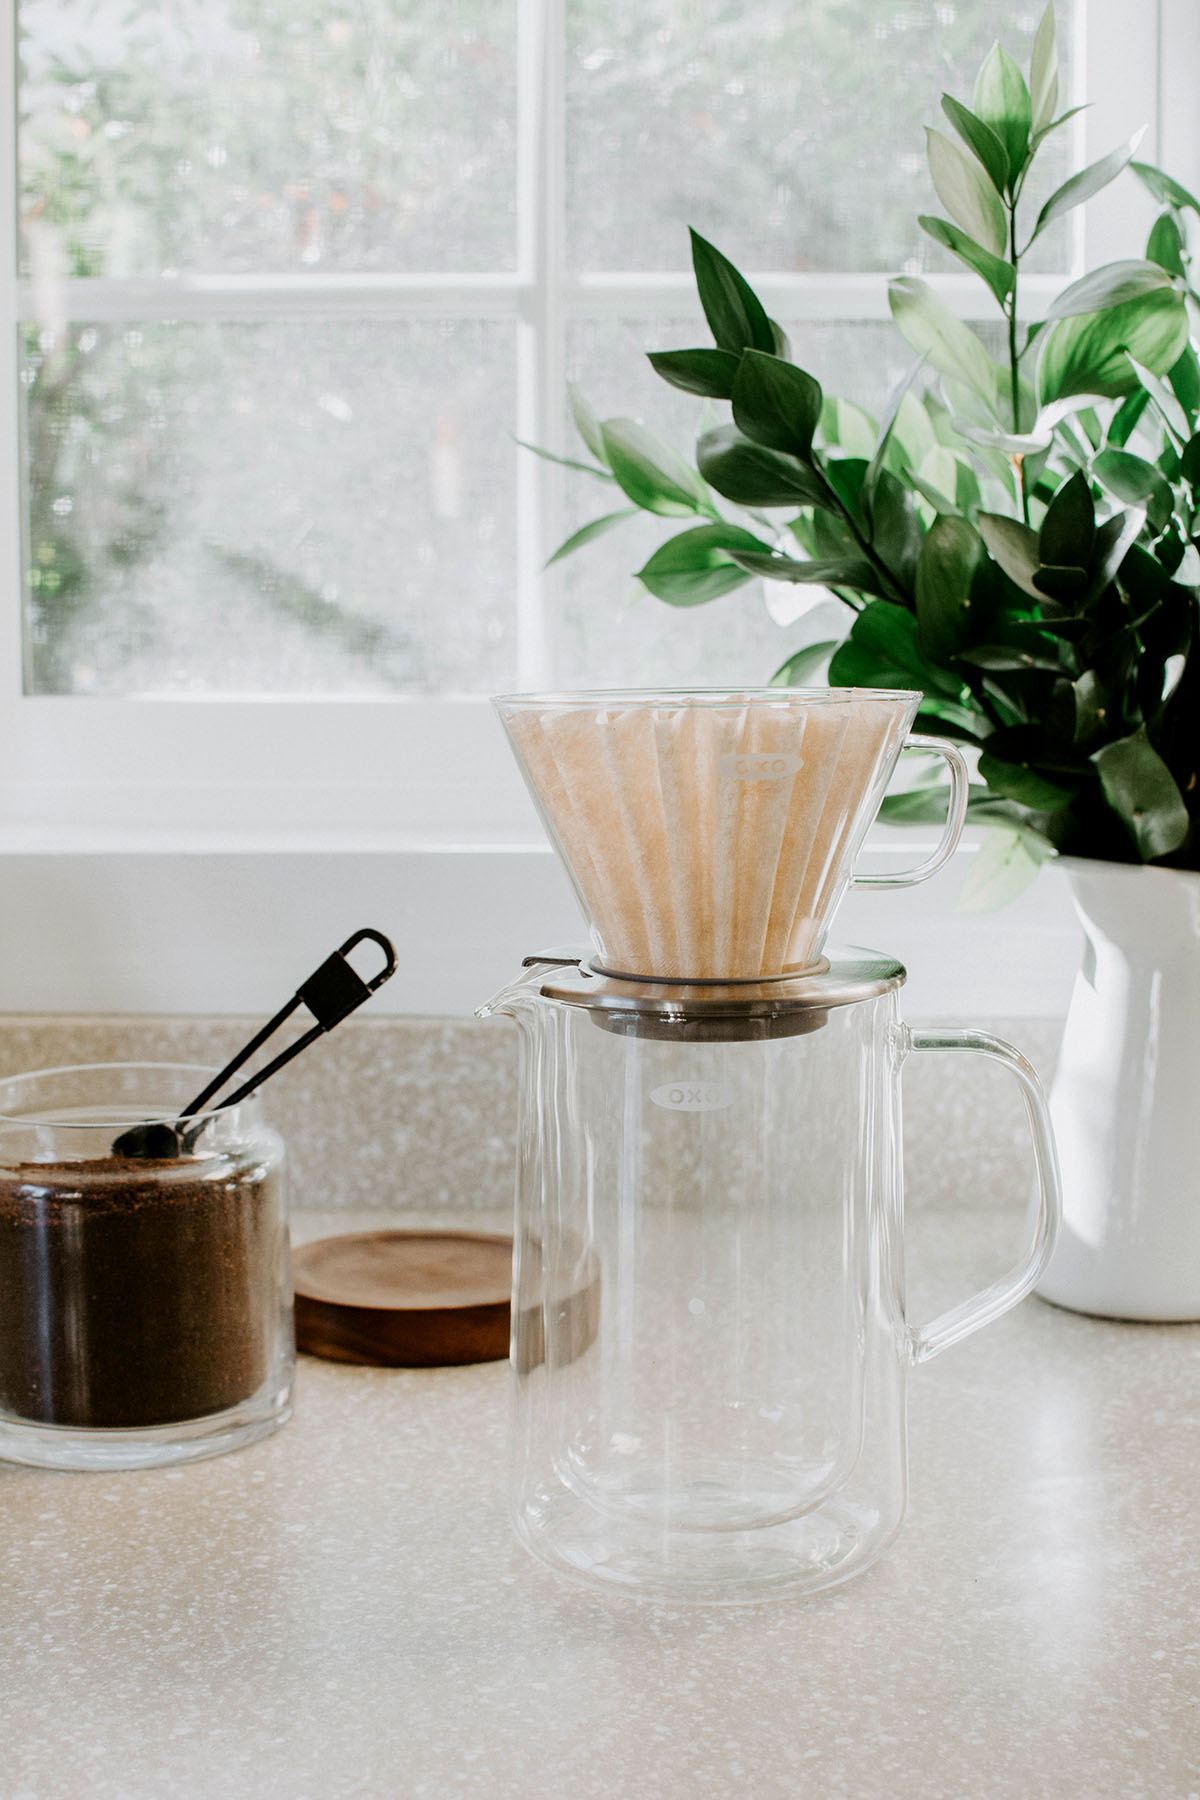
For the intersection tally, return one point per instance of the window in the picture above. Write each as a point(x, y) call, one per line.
point(293, 278)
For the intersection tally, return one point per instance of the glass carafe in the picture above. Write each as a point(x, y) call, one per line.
point(709, 1341)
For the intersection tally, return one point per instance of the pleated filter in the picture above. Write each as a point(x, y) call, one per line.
point(708, 836)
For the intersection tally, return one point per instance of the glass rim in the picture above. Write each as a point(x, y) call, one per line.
point(696, 696)
point(199, 1073)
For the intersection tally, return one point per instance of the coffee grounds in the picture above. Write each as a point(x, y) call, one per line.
point(145, 1294)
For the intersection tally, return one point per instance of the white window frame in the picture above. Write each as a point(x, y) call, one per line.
point(312, 805)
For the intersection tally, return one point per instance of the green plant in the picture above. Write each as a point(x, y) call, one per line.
point(1018, 538)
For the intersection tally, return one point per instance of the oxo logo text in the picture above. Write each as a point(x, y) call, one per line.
point(759, 765)
point(693, 1096)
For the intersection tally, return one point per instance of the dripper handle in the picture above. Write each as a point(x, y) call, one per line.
point(970, 1315)
point(956, 813)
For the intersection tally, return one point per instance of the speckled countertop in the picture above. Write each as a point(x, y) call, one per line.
point(342, 1611)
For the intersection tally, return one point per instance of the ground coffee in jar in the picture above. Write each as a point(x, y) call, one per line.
point(137, 1294)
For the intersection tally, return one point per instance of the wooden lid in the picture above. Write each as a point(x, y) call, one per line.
point(411, 1299)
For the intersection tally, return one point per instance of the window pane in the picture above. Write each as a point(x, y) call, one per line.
point(237, 135)
point(270, 507)
point(790, 132)
point(615, 634)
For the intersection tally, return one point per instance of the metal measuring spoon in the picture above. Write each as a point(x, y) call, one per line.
point(331, 994)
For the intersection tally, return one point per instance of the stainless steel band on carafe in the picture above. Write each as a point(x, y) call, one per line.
point(712, 1012)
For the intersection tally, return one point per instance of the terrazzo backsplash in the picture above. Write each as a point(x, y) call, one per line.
point(419, 1113)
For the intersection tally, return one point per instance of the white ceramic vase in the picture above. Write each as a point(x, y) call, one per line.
point(1126, 1099)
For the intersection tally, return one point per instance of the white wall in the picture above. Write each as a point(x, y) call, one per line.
point(235, 930)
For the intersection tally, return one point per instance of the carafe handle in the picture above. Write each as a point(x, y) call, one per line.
point(929, 1340)
point(956, 813)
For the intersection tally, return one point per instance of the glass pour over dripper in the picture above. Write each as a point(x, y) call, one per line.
point(710, 834)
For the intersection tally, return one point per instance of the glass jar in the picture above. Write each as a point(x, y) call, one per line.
point(145, 1302)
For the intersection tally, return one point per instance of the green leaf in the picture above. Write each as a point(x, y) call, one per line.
point(828, 536)
point(950, 556)
point(1091, 706)
point(1040, 136)
point(1014, 546)
point(936, 497)
point(1166, 245)
point(1034, 746)
point(1087, 182)
point(1043, 71)
point(708, 372)
point(1012, 444)
point(734, 312)
point(1124, 420)
point(1164, 188)
point(1184, 378)
point(1114, 539)
point(881, 651)
point(965, 191)
point(1068, 533)
point(1036, 631)
point(911, 430)
point(1002, 101)
point(564, 462)
point(1000, 659)
point(934, 331)
point(890, 427)
point(1108, 286)
point(999, 275)
point(586, 423)
point(800, 668)
point(954, 719)
point(1164, 400)
point(967, 495)
point(1089, 422)
point(917, 806)
point(586, 533)
point(694, 567)
point(1138, 482)
point(776, 404)
point(980, 140)
point(847, 476)
point(1016, 781)
point(997, 467)
point(927, 805)
point(895, 528)
point(1060, 581)
point(1141, 789)
point(847, 426)
point(1189, 462)
point(1091, 354)
point(833, 572)
point(654, 476)
point(1003, 867)
point(752, 475)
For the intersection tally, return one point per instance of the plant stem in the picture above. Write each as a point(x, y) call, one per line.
point(888, 580)
point(1014, 373)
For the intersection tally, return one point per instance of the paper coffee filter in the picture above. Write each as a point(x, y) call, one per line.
point(709, 840)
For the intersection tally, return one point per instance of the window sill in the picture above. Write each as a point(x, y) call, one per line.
point(203, 923)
